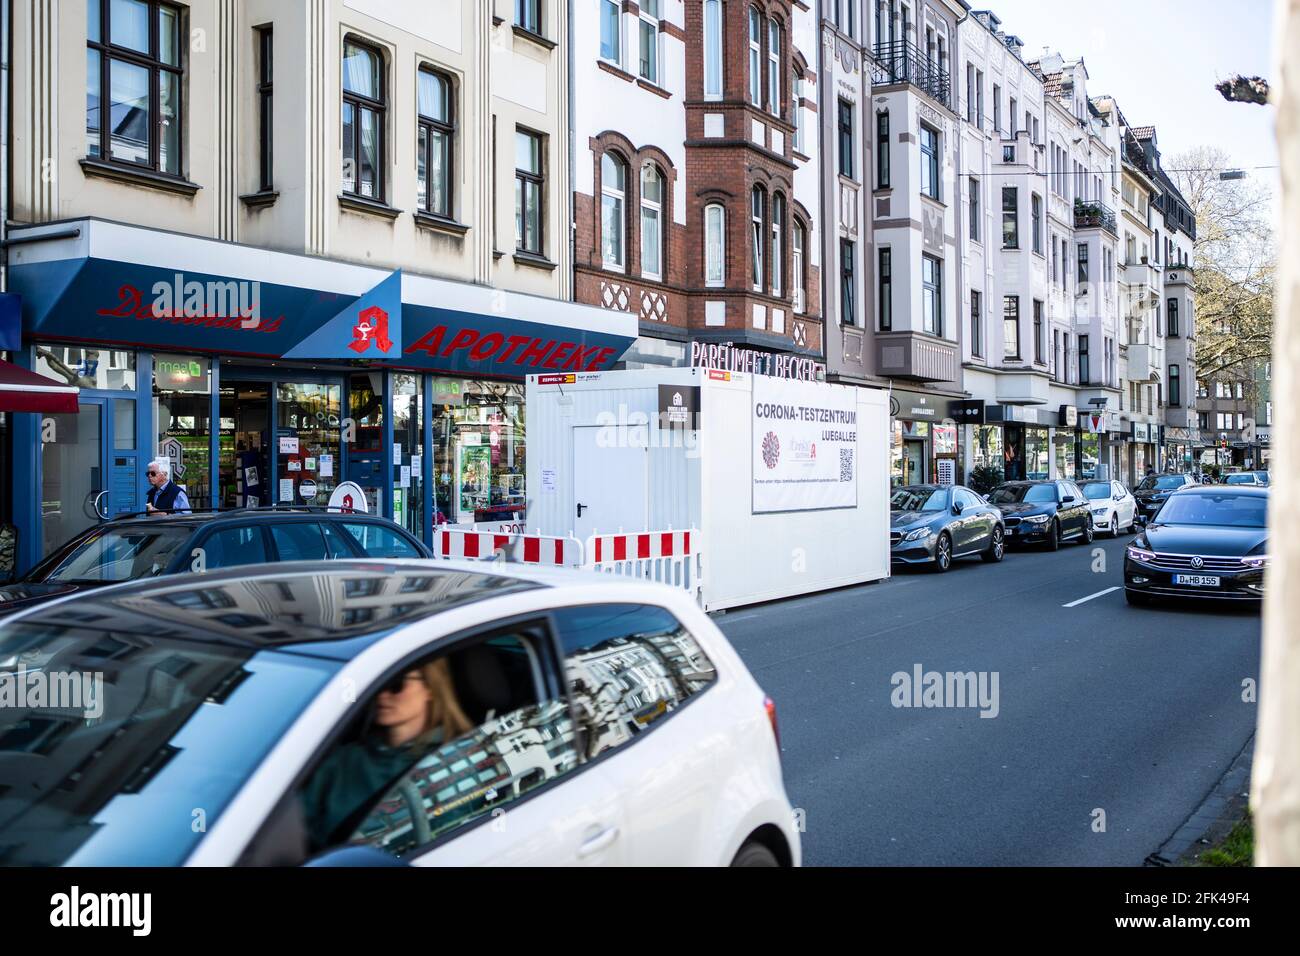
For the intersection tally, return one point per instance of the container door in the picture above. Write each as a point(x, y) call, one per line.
point(73, 473)
point(610, 480)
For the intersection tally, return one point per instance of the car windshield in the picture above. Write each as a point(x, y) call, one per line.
point(121, 554)
point(136, 743)
point(918, 499)
point(1095, 490)
point(1161, 482)
point(1241, 480)
point(1227, 509)
point(1030, 494)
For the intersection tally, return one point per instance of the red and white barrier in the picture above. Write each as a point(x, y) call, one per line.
point(669, 557)
point(522, 548)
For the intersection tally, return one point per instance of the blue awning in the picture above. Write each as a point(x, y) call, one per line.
point(115, 284)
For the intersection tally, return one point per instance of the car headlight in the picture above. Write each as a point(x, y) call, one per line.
point(1038, 519)
point(1256, 561)
point(918, 534)
point(1099, 511)
point(1140, 554)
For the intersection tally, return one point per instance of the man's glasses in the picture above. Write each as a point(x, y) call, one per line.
point(152, 474)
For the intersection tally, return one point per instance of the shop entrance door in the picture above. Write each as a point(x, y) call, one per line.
point(913, 462)
point(89, 468)
point(610, 482)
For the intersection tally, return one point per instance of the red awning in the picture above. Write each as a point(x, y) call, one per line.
point(24, 391)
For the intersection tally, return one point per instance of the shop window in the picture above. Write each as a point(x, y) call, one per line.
point(134, 75)
point(87, 368)
point(479, 446)
point(408, 452)
point(182, 392)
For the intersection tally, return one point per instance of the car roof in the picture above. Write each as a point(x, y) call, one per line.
point(240, 514)
point(1260, 491)
point(303, 606)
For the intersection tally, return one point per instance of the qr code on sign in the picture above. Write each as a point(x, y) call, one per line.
point(846, 464)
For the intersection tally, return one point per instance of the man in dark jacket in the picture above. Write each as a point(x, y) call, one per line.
point(165, 497)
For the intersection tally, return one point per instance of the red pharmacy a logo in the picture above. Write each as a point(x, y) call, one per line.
point(372, 326)
point(771, 449)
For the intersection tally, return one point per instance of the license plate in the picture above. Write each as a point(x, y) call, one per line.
point(1197, 580)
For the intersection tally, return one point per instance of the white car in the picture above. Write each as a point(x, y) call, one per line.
point(1113, 506)
point(388, 713)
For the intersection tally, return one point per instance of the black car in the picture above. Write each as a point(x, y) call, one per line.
point(1207, 541)
point(933, 524)
point(1153, 490)
point(1043, 512)
point(143, 546)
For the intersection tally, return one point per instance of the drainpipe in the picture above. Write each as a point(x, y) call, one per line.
point(573, 153)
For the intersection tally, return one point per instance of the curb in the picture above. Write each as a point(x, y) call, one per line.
point(1213, 807)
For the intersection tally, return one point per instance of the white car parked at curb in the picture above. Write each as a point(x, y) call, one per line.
point(405, 712)
point(1113, 506)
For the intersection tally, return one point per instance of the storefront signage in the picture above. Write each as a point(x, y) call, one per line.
point(732, 358)
point(910, 406)
point(1069, 416)
point(174, 452)
point(448, 391)
point(805, 444)
point(556, 379)
point(348, 496)
point(679, 406)
point(967, 412)
point(1094, 422)
point(1141, 432)
point(307, 489)
point(179, 373)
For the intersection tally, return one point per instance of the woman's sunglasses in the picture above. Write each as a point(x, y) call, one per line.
point(398, 684)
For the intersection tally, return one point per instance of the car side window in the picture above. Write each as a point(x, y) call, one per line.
point(299, 541)
point(442, 744)
point(380, 542)
point(336, 542)
point(628, 666)
point(231, 547)
point(967, 498)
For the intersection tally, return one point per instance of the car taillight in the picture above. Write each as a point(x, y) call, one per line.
point(770, 706)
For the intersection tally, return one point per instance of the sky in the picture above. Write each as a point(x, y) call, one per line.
point(1160, 59)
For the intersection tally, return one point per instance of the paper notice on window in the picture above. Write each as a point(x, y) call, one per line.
point(417, 465)
point(289, 445)
point(404, 477)
point(327, 466)
point(286, 489)
point(548, 480)
point(252, 501)
point(295, 466)
point(397, 452)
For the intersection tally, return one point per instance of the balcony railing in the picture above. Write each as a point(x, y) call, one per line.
point(904, 62)
point(1094, 215)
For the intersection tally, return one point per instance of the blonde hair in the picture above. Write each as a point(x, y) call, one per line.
point(445, 713)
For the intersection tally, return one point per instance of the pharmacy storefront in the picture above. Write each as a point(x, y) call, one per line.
point(268, 378)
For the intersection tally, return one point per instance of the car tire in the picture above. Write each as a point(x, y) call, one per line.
point(1135, 599)
point(1114, 525)
point(1054, 536)
point(942, 553)
point(997, 546)
point(754, 853)
point(1089, 534)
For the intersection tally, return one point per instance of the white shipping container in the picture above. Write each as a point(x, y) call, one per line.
point(599, 461)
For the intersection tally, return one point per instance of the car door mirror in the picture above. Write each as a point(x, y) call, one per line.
point(1068, 499)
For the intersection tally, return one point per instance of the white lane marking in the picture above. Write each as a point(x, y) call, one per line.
point(1090, 597)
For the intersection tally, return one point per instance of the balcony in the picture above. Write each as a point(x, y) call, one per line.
point(918, 356)
point(1094, 215)
point(903, 62)
point(1027, 387)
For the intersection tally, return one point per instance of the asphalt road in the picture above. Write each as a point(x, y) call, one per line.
point(1129, 711)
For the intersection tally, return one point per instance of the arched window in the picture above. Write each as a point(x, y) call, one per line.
point(796, 111)
point(778, 231)
point(715, 245)
point(758, 214)
point(613, 224)
point(797, 278)
point(365, 107)
point(713, 49)
point(755, 57)
point(652, 200)
point(433, 163)
point(774, 67)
